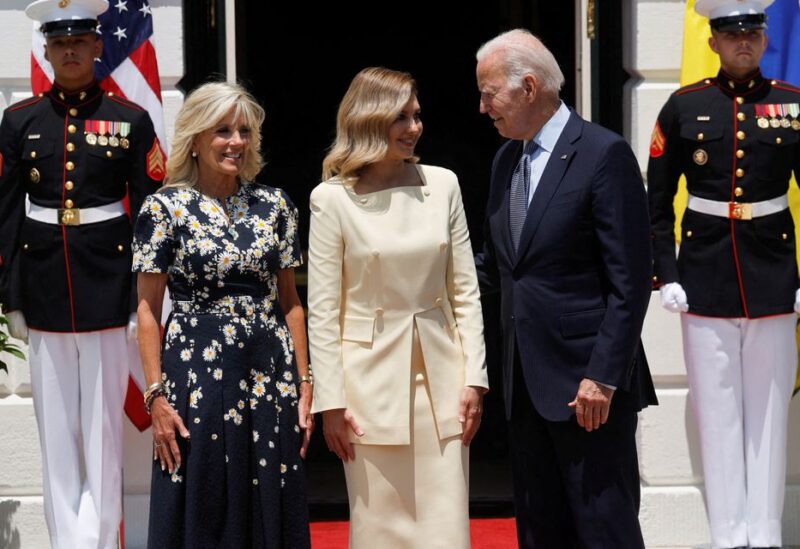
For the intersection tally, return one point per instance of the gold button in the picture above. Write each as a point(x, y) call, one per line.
point(740, 153)
point(111, 94)
point(740, 135)
point(784, 236)
point(24, 246)
point(778, 140)
point(707, 81)
point(109, 154)
point(739, 172)
point(73, 112)
point(61, 95)
point(214, 435)
point(68, 203)
point(700, 136)
point(71, 128)
point(82, 96)
point(70, 147)
point(738, 191)
point(69, 185)
point(40, 94)
point(120, 248)
point(774, 82)
point(731, 85)
point(70, 166)
point(740, 116)
point(655, 278)
point(688, 234)
point(33, 154)
point(740, 100)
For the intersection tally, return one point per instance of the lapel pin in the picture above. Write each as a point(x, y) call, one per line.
point(563, 157)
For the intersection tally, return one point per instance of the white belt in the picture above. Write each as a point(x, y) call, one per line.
point(76, 216)
point(738, 210)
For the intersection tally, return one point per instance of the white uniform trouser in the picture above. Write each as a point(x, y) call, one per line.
point(78, 382)
point(741, 375)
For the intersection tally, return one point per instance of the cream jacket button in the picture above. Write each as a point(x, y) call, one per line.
point(426, 192)
point(378, 310)
point(375, 253)
point(438, 301)
point(362, 200)
point(443, 246)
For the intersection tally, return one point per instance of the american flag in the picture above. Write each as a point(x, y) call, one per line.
point(128, 68)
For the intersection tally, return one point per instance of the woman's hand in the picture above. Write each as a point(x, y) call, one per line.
point(470, 411)
point(166, 422)
point(335, 424)
point(305, 417)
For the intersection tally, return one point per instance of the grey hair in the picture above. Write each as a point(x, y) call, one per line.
point(523, 54)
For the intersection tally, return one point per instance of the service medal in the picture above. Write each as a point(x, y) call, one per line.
point(35, 177)
point(91, 139)
point(775, 123)
point(796, 125)
point(785, 123)
point(124, 143)
point(102, 140)
point(763, 122)
point(113, 141)
point(700, 157)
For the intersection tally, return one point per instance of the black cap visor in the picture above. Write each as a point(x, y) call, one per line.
point(68, 27)
point(737, 23)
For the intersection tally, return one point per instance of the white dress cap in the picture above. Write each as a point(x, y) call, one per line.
point(46, 11)
point(714, 9)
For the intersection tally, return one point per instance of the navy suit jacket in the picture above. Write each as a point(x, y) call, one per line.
point(575, 293)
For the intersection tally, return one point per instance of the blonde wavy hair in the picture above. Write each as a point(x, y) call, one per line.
point(372, 102)
point(203, 109)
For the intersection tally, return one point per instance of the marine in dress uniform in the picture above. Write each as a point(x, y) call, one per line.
point(67, 159)
point(736, 138)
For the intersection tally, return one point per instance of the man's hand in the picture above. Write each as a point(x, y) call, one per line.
point(592, 404)
point(17, 327)
point(673, 298)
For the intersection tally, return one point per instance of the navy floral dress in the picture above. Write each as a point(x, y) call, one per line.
point(228, 363)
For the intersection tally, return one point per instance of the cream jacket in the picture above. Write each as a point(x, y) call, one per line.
point(380, 264)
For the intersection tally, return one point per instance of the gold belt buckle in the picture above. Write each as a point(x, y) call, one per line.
point(741, 212)
point(69, 216)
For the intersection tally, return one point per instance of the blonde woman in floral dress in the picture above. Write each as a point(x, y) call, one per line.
point(229, 388)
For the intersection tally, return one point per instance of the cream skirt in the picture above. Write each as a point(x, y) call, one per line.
point(410, 496)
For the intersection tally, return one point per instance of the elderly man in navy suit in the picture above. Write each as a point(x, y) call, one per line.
point(567, 245)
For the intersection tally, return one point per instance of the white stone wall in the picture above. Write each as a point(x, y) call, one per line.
point(22, 523)
point(673, 513)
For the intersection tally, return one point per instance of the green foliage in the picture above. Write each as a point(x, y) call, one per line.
point(6, 347)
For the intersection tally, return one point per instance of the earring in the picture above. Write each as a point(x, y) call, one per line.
point(194, 154)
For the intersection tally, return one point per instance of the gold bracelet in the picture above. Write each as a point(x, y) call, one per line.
point(307, 379)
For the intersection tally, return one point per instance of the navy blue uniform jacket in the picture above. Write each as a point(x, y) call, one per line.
point(574, 295)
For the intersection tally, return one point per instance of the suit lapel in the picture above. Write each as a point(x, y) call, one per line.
point(554, 171)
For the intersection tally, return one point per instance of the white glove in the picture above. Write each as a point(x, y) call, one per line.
point(797, 301)
point(17, 327)
point(132, 329)
point(673, 298)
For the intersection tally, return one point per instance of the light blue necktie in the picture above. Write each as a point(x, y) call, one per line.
point(518, 196)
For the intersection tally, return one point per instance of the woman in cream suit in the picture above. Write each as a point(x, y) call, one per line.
point(395, 323)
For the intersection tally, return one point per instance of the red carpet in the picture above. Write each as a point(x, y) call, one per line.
point(485, 533)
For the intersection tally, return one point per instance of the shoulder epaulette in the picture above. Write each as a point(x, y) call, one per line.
point(124, 102)
point(29, 102)
point(788, 86)
point(699, 85)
